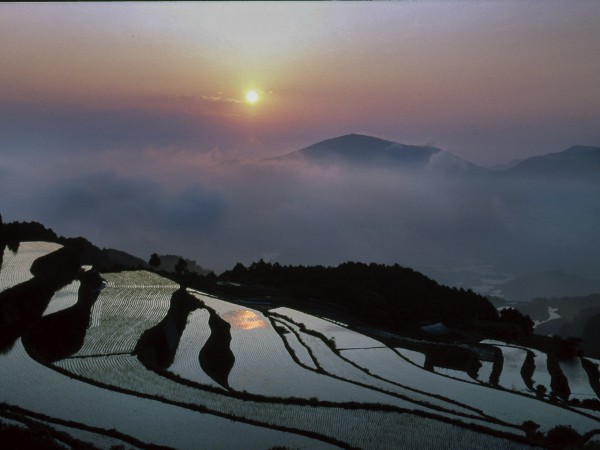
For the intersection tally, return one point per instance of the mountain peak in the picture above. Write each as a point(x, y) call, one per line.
point(350, 144)
point(367, 149)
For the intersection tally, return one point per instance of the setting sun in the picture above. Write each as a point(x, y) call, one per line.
point(251, 96)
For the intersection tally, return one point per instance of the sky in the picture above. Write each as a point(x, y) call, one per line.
point(127, 122)
point(490, 81)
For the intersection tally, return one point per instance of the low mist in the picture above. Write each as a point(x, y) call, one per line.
point(219, 211)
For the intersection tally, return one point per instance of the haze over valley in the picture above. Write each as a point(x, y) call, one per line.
point(350, 198)
point(276, 225)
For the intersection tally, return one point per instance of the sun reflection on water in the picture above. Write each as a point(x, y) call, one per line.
point(244, 320)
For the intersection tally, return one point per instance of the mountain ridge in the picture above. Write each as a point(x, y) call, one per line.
point(575, 161)
point(353, 148)
point(371, 151)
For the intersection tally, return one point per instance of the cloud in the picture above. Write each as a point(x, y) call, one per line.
point(219, 211)
point(133, 214)
point(220, 99)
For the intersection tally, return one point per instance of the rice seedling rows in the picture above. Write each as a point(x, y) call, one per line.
point(452, 373)
point(299, 350)
point(16, 267)
point(264, 366)
point(541, 374)
point(33, 386)
point(96, 313)
point(139, 279)
point(514, 358)
point(365, 372)
point(63, 298)
point(195, 335)
point(503, 405)
point(342, 336)
point(579, 382)
point(357, 427)
point(337, 366)
point(125, 313)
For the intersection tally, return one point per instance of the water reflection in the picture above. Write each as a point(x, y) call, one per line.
point(245, 320)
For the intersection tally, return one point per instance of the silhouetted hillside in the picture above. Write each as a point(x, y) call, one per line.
point(389, 296)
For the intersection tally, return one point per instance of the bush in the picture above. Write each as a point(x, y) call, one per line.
point(564, 436)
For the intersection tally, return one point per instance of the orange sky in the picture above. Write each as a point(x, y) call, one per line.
point(489, 81)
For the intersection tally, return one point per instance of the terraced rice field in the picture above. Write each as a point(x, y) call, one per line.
point(357, 427)
point(579, 382)
point(514, 358)
point(265, 367)
point(16, 267)
point(63, 298)
point(541, 374)
point(414, 357)
point(131, 303)
point(38, 388)
point(342, 337)
point(297, 381)
point(194, 337)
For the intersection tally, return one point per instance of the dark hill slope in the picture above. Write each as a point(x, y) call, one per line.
point(392, 297)
point(368, 151)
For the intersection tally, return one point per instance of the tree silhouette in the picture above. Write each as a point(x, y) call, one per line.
point(181, 267)
point(518, 319)
point(154, 260)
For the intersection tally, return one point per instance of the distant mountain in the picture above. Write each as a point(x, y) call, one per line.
point(548, 284)
point(578, 161)
point(372, 151)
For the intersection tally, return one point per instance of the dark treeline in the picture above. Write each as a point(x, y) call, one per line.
point(389, 296)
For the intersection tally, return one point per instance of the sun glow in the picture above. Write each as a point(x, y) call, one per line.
point(251, 97)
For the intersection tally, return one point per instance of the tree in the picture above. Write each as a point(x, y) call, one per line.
point(515, 317)
point(564, 436)
point(181, 266)
point(540, 391)
point(154, 260)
